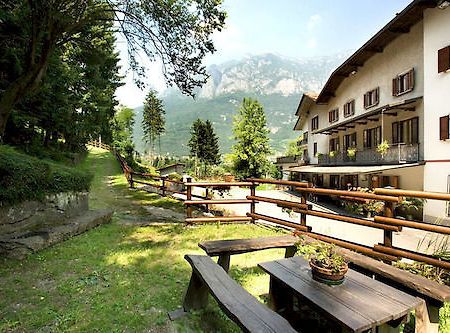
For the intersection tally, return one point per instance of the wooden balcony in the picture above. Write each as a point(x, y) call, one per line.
point(396, 154)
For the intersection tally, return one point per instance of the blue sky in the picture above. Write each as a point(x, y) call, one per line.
point(292, 28)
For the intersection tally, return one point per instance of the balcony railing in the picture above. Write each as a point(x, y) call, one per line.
point(300, 160)
point(396, 154)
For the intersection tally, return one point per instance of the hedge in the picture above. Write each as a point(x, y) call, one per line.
point(23, 177)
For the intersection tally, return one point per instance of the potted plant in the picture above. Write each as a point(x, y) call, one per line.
point(351, 152)
point(332, 154)
point(382, 148)
point(327, 266)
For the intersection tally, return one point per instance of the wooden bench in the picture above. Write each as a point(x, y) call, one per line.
point(241, 307)
point(225, 248)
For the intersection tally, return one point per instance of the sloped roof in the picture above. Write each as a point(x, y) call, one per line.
point(400, 24)
point(306, 101)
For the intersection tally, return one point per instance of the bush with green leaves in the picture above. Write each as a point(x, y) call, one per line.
point(28, 178)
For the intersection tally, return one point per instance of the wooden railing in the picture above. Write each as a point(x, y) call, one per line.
point(100, 145)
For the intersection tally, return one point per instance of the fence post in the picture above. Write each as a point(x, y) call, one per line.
point(252, 205)
point(207, 198)
point(188, 197)
point(131, 178)
point(388, 212)
point(303, 198)
point(163, 185)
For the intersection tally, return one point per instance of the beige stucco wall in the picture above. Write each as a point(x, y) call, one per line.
point(405, 52)
point(410, 178)
point(437, 89)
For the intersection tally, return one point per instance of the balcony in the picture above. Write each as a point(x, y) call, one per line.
point(396, 154)
point(304, 140)
point(299, 160)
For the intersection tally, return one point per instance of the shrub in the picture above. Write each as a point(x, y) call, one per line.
point(23, 177)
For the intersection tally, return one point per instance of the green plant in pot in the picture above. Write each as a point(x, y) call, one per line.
point(383, 148)
point(351, 152)
point(332, 154)
point(327, 266)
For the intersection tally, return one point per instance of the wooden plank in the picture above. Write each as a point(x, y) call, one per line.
point(413, 194)
point(359, 304)
point(220, 184)
point(278, 202)
point(289, 224)
point(416, 284)
point(235, 301)
point(278, 182)
point(218, 219)
point(236, 246)
point(218, 202)
point(355, 194)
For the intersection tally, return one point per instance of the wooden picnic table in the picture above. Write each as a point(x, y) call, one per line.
point(360, 304)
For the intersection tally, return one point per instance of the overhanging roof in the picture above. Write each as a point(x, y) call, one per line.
point(400, 24)
point(306, 101)
point(350, 170)
point(388, 109)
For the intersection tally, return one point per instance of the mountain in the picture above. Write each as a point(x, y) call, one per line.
point(276, 82)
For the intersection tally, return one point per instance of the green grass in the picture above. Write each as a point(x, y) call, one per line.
point(122, 278)
point(119, 278)
point(24, 177)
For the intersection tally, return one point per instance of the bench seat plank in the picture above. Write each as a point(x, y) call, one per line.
point(237, 246)
point(234, 300)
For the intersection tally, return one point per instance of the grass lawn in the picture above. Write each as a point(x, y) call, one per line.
point(119, 278)
point(122, 278)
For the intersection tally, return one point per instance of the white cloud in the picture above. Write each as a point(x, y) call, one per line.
point(313, 21)
point(311, 43)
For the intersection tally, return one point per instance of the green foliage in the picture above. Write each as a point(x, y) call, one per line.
point(204, 144)
point(293, 149)
point(29, 178)
point(323, 254)
point(383, 147)
point(351, 152)
point(153, 121)
point(122, 131)
point(252, 142)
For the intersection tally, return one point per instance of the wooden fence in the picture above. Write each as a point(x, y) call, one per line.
point(384, 250)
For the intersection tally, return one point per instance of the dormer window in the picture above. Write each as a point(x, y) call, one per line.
point(372, 98)
point(333, 115)
point(349, 108)
point(403, 83)
point(315, 123)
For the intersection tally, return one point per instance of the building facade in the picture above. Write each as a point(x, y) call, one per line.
point(382, 117)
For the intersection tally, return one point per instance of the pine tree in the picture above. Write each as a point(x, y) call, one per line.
point(212, 151)
point(252, 142)
point(153, 121)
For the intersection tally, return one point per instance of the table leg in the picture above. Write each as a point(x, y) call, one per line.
point(281, 297)
point(427, 318)
point(386, 328)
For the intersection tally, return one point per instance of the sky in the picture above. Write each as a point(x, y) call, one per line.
point(291, 28)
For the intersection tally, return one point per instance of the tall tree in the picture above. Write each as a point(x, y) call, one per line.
point(252, 142)
point(153, 121)
point(204, 144)
point(177, 32)
point(122, 133)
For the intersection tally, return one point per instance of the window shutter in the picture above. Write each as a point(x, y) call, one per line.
point(444, 59)
point(365, 100)
point(394, 87)
point(376, 96)
point(443, 127)
point(395, 132)
point(411, 79)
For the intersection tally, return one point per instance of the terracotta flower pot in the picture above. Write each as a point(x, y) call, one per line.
point(326, 275)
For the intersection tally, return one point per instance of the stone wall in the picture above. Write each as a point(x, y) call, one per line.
point(33, 215)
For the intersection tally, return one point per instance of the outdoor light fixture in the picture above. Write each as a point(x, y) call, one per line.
point(442, 4)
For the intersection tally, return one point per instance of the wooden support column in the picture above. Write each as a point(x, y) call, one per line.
point(207, 198)
point(196, 295)
point(130, 175)
point(388, 212)
point(189, 197)
point(303, 215)
point(224, 261)
point(253, 205)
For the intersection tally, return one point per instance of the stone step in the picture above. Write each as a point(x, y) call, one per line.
point(20, 245)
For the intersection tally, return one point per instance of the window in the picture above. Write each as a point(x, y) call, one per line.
point(406, 131)
point(403, 83)
point(349, 141)
point(372, 98)
point(315, 123)
point(372, 137)
point(334, 181)
point(444, 127)
point(333, 115)
point(334, 144)
point(444, 59)
point(349, 108)
point(315, 149)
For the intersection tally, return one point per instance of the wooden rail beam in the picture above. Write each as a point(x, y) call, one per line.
point(220, 184)
point(226, 219)
point(349, 219)
point(278, 182)
point(412, 224)
point(413, 194)
point(218, 202)
point(355, 194)
point(282, 203)
point(278, 221)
